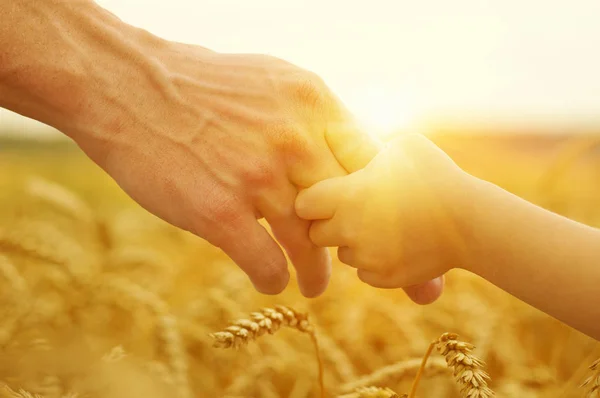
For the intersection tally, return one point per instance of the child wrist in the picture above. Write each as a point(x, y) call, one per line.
point(467, 201)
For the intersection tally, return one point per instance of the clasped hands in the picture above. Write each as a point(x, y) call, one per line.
point(217, 141)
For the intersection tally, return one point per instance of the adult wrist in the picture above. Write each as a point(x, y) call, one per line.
point(52, 52)
point(112, 56)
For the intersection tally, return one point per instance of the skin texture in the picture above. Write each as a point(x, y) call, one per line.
point(208, 142)
point(412, 214)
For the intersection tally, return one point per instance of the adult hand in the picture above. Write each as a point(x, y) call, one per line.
point(222, 140)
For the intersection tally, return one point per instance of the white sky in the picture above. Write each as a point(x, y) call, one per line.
point(508, 61)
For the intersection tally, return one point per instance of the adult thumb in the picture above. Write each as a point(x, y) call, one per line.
point(349, 142)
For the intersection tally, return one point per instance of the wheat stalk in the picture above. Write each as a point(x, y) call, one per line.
point(250, 374)
point(176, 354)
point(337, 357)
point(7, 392)
point(395, 371)
point(592, 383)
point(116, 354)
point(17, 297)
point(302, 388)
point(467, 369)
point(9, 272)
point(167, 329)
point(50, 385)
point(59, 199)
point(268, 320)
point(372, 392)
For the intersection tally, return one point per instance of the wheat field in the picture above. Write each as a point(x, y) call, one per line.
point(100, 299)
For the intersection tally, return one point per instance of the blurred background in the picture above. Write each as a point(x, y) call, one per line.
point(510, 89)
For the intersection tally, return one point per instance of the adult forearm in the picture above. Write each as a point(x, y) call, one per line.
point(62, 62)
point(544, 259)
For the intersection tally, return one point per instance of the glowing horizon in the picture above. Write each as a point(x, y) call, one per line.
point(532, 63)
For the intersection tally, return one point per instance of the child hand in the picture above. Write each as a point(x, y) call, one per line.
point(396, 220)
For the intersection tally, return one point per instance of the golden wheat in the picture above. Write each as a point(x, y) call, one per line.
point(268, 320)
point(592, 383)
point(116, 354)
point(12, 275)
point(13, 296)
point(59, 199)
point(50, 385)
point(467, 369)
point(7, 392)
point(301, 388)
point(167, 330)
point(394, 372)
point(176, 354)
point(244, 381)
point(337, 358)
point(372, 392)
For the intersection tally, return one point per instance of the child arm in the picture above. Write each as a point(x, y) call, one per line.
point(544, 259)
point(412, 214)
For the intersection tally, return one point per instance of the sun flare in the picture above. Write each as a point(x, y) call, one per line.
point(382, 112)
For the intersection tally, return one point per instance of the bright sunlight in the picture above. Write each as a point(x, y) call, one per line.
point(383, 112)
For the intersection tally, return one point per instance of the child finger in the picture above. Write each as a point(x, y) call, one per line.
point(378, 279)
point(426, 293)
point(325, 233)
point(356, 258)
point(346, 256)
point(320, 201)
point(423, 293)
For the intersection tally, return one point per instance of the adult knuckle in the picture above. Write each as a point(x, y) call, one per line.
point(308, 90)
point(226, 215)
point(292, 140)
point(259, 173)
point(278, 208)
point(315, 79)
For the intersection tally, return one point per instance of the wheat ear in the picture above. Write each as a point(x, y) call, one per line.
point(268, 320)
point(372, 392)
point(467, 369)
point(7, 392)
point(592, 383)
point(167, 329)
